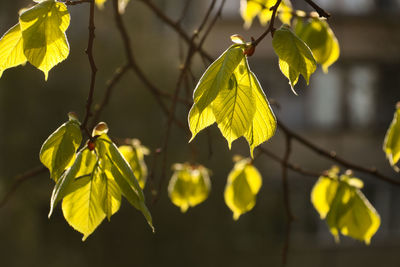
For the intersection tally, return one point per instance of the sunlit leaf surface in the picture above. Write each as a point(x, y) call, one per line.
point(346, 210)
point(189, 185)
point(241, 189)
point(295, 57)
point(391, 144)
point(43, 30)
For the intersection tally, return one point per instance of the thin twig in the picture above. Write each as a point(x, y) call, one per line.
point(334, 157)
point(73, 3)
point(135, 67)
point(110, 86)
point(320, 11)
point(191, 51)
point(19, 180)
point(89, 52)
point(176, 26)
point(293, 167)
point(212, 24)
point(270, 28)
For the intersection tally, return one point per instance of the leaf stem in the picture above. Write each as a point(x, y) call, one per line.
point(89, 52)
point(270, 28)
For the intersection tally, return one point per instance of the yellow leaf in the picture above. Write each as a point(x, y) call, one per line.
point(189, 185)
point(198, 120)
point(100, 3)
point(391, 144)
point(134, 155)
point(58, 151)
point(242, 187)
point(322, 41)
point(217, 76)
point(345, 208)
point(82, 206)
point(264, 122)
point(11, 49)
point(295, 57)
point(43, 30)
point(240, 107)
point(249, 9)
point(234, 107)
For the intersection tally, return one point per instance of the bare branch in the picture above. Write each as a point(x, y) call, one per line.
point(270, 28)
point(334, 157)
point(77, 2)
point(89, 52)
point(176, 26)
point(320, 11)
point(121, 71)
point(19, 180)
point(135, 67)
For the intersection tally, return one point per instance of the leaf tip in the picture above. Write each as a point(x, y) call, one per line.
point(292, 87)
point(46, 75)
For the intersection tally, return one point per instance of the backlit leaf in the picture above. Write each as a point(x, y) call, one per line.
point(241, 189)
point(391, 144)
point(43, 30)
point(198, 120)
point(321, 40)
point(234, 107)
point(240, 107)
point(295, 57)
point(11, 49)
point(123, 175)
point(58, 151)
point(217, 76)
point(100, 3)
point(345, 208)
point(134, 154)
point(83, 204)
point(249, 9)
point(111, 196)
point(189, 185)
point(264, 122)
point(82, 166)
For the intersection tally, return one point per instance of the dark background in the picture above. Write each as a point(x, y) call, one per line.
point(347, 110)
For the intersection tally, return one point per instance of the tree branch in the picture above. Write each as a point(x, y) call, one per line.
point(118, 74)
point(77, 2)
point(320, 11)
point(334, 157)
point(89, 52)
point(270, 28)
point(174, 25)
point(19, 180)
point(135, 67)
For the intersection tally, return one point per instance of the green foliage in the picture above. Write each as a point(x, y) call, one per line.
point(320, 38)
point(340, 202)
point(134, 154)
point(58, 151)
point(91, 181)
point(11, 49)
point(391, 144)
point(189, 185)
point(230, 95)
point(91, 188)
point(241, 189)
point(38, 38)
point(249, 9)
point(295, 57)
